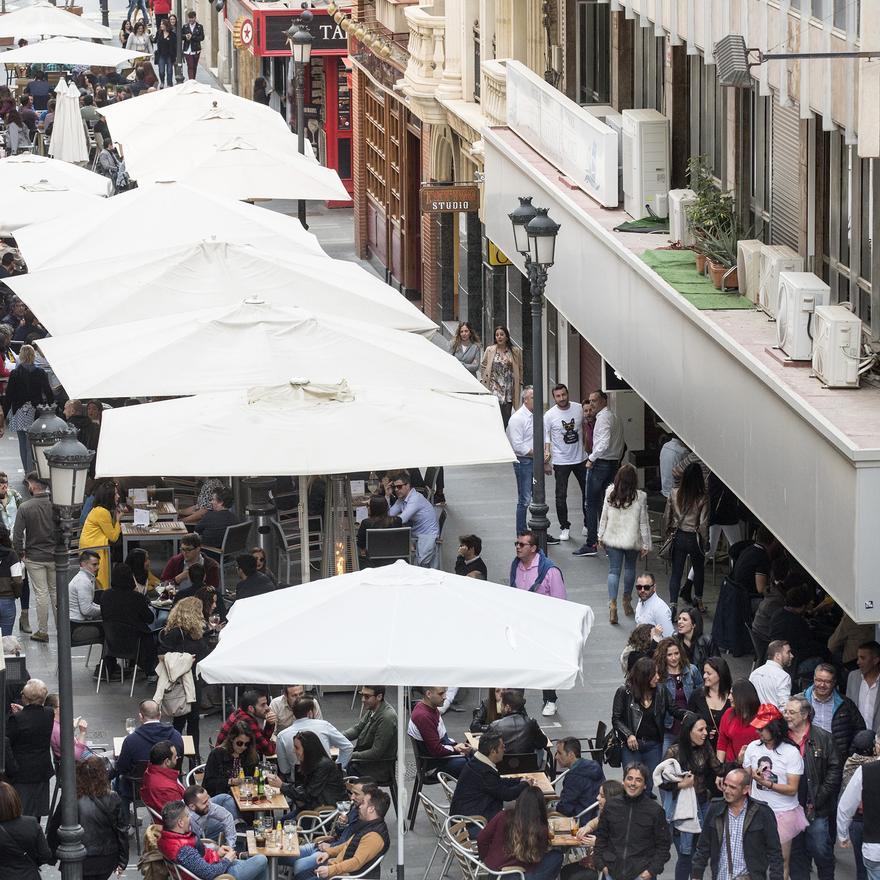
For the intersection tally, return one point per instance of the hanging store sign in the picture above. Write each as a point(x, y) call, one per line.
point(582, 147)
point(436, 199)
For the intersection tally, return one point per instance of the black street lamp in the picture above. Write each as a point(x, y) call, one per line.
point(67, 463)
point(45, 431)
point(178, 58)
point(300, 38)
point(534, 235)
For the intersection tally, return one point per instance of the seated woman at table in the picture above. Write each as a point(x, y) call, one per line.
point(520, 838)
point(138, 560)
point(102, 528)
point(319, 778)
point(238, 752)
point(582, 869)
point(196, 584)
point(260, 555)
point(184, 633)
point(122, 604)
point(378, 519)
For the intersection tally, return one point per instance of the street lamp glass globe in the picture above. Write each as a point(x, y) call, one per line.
point(45, 431)
point(542, 233)
point(520, 218)
point(68, 462)
point(300, 44)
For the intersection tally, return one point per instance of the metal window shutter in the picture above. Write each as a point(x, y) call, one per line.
point(785, 185)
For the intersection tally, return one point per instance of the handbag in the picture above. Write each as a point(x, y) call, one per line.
point(665, 551)
point(612, 749)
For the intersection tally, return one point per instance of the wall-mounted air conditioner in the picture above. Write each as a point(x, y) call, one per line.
point(837, 336)
point(799, 295)
point(775, 258)
point(748, 267)
point(645, 159)
point(679, 227)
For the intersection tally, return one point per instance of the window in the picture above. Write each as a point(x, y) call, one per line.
point(707, 114)
point(849, 225)
point(374, 137)
point(478, 70)
point(759, 126)
point(649, 69)
point(836, 10)
point(593, 53)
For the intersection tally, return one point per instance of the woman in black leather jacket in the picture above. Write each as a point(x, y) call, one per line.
point(318, 777)
point(22, 844)
point(100, 815)
point(639, 716)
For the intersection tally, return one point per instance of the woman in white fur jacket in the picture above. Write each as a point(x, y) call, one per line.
point(625, 534)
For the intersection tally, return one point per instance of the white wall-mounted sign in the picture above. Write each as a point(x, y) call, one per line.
point(569, 137)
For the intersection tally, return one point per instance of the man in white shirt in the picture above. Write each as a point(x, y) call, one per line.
point(651, 609)
point(564, 447)
point(520, 434)
point(862, 684)
point(304, 719)
point(671, 453)
point(771, 681)
point(283, 706)
point(602, 464)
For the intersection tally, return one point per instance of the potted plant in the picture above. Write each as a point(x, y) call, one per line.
point(711, 216)
point(720, 250)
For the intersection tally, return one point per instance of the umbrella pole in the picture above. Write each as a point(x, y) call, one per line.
point(401, 782)
point(305, 537)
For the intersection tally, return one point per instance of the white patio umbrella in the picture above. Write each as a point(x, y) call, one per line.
point(478, 635)
point(43, 19)
point(158, 216)
point(114, 288)
point(69, 51)
point(162, 357)
point(300, 428)
point(68, 133)
point(239, 169)
point(27, 169)
point(24, 205)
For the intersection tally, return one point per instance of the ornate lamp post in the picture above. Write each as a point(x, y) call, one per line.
point(47, 429)
point(66, 464)
point(300, 38)
point(534, 235)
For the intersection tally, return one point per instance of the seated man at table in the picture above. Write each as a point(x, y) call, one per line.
point(203, 500)
point(161, 782)
point(253, 710)
point(212, 526)
point(376, 735)
point(426, 727)
point(580, 786)
point(369, 840)
point(304, 719)
point(177, 568)
point(181, 846)
point(82, 588)
point(304, 866)
point(283, 706)
point(521, 734)
point(211, 816)
point(251, 582)
point(481, 791)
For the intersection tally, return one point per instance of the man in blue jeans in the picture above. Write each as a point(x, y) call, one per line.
point(520, 434)
point(602, 464)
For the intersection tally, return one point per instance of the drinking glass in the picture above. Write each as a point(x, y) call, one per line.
point(214, 622)
point(130, 725)
point(575, 826)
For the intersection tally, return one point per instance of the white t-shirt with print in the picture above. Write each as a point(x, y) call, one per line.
point(564, 430)
point(775, 765)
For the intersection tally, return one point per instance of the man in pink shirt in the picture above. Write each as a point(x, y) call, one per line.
point(532, 570)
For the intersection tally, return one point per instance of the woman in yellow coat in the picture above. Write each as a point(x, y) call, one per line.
point(102, 528)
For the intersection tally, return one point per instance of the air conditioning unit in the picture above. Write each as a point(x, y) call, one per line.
point(799, 295)
point(679, 226)
point(748, 267)
point(837, 336)
point(775, 258)
point(645, 159)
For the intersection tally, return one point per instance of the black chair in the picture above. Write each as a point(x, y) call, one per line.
point(427, 768)
point(386, 776)
point(86, 632)
point(389, 544)
point(527, 762)
point(123, 642)
point(134, 779)
point(236, 540)
point(596, 744)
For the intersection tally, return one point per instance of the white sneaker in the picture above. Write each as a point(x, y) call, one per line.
point(549, 709)
point(563, 535)
point(584, 531)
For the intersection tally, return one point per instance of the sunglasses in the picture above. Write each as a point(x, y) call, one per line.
point(523, 544)
point(242, 742)
point(643, 588)
point(399, 485)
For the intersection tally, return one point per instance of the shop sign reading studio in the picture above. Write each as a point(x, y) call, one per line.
point(449, 199)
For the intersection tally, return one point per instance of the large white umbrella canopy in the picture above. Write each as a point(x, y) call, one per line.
point(300, 428)
point(133, 286)
point(69, 51)
point(68, 132)
point(479, 634)
point(24, 205)
point(150, 218)
point(162, 357)
point(28, 169)
point(240, 169)
point(43, 19)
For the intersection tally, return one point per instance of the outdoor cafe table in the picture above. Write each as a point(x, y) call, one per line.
point(189, 748)
point(560, 832)
point(265, 805)
point(165, 510)
point(162, 531)
point(273, 853)
point(538, 779)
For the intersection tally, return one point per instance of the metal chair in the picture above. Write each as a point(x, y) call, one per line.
point(389, 544)
point(124, 643)
point(457, 832)
point(447, 783)
point(290, 542)
point(596, 744)
point(370, 872)
point(318, 822)
point(134, 779)
point(236, 540)
point(437, 816)
point(191, 776)
point(86, 632)
point(427, 768)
